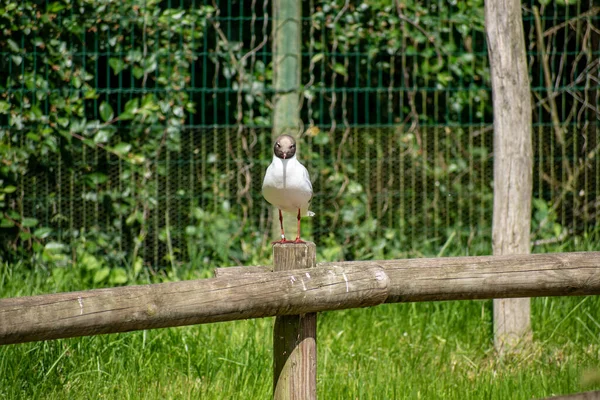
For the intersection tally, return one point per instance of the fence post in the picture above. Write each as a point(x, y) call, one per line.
point(287, 28)
point(513, 158)
point(295, 336)
point(287, 62)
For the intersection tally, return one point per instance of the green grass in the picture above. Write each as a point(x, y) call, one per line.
point(421, 350)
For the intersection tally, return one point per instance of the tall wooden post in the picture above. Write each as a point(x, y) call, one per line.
point(287, 29)
point(295, 336)
point(512, 156)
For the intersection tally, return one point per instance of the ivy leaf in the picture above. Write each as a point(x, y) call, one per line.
point(136, 159)
point(122, 148)
point(136, 216)
point(101, 274)
point(76, 81)
point(55, 247)
point(4, 107)
point(95, 178)
point(89, 262)
point(13, 46)
point(106, 111)
point(42, 233)
point(33, 137)
point(118, 276)
point(149, 64)
point(25, 235)
point(6, 223)
point(138, 72)
point(137, 266)
point(117, 65)
point(178, 111)
point(29, 222)
point(340, 69)
point(102, 136)
point(56, 7)
point(131, 108)
point(317, 57)
point(132, 105)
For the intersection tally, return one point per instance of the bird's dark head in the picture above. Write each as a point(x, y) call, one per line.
point(284, 147)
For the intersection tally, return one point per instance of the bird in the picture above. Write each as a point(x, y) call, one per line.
point(287, 184)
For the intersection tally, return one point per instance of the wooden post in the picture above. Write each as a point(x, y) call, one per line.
point(512, 156)
point(295, 336)
point(287, 29)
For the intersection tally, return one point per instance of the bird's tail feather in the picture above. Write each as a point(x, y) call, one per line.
point(310, 214)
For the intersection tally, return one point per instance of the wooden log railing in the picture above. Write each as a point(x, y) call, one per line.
point(330, 286)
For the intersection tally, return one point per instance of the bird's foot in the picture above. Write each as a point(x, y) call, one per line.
point(282, 241)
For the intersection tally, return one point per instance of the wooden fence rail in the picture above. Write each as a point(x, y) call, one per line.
point(330, 286)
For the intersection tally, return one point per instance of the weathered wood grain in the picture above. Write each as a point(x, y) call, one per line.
point(287, 62)
point(513, 156)
point(331, 286)
point(488, 277)
point(295, 336)
point(234, 272)
point(243, 270)
point(129, 308)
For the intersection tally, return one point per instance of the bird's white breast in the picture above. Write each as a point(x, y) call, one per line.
point(287, 185)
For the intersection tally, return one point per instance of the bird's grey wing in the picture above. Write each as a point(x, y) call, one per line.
point(267, 179)
point(307, 179)
point(309, 183)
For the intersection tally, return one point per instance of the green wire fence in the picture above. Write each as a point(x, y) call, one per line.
point(140, 130)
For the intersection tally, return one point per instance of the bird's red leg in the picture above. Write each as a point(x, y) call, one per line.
point(281, 225)
point(298, 240)
point(283, 240)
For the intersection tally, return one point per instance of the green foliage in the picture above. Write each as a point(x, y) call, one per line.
point(54, 110)
point(409, 200)
point(435, 45)
point(413, 182)
point(215, 238)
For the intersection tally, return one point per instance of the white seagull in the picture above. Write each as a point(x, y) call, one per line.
point(287, 184)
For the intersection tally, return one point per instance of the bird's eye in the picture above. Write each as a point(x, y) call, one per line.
point(293, 146)
point(277, 144)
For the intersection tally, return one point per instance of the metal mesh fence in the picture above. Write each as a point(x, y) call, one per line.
point(397, 107)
